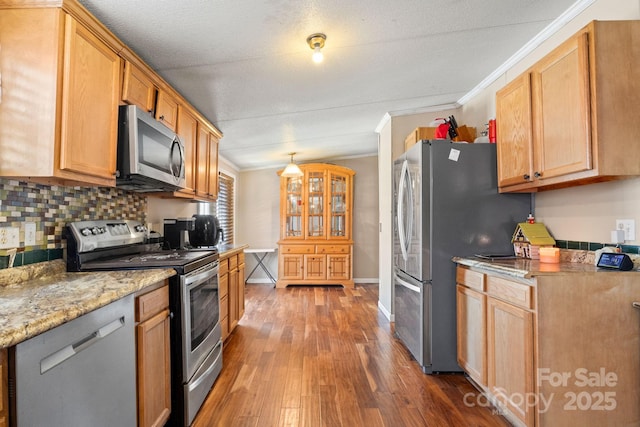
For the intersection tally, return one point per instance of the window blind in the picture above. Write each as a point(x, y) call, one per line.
point(224, 208)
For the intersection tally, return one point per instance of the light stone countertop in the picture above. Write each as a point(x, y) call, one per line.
point(527, 268)
point(226, 251)
point(39, 297)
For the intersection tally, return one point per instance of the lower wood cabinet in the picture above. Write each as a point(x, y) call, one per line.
point(231, 286)
point(319, 264)
point(153, 357)
point(510, 357)
point(472, 333)
point(559, 349)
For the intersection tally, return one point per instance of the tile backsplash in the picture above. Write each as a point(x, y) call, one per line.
point(51, 207)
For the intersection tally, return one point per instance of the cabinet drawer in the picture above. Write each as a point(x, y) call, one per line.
point(297, 249)
point(233, 262)
point(151, 303)
point(240, 258)
point(333, 249)
point(513, 292)
point(223, 267)
point(470, 279)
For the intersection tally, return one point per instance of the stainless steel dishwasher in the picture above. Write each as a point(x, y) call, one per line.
point(81, 373)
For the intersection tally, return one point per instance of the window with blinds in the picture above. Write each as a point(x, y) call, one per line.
point(224, 206)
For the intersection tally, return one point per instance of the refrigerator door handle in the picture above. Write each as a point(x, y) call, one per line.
point(407, 284)
point(402, 232)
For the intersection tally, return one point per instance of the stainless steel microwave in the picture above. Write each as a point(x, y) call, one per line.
point(150, 155)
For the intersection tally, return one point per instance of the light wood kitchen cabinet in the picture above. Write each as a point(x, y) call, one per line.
point(68, 115)
point(315, 244)
point(167, 110)
point(231, 290)
point(207, 163)
point(153, 356)
point(471, 328)
point(4, 388)
point(553, 356)
point(137, 88)
point(510, 357)
point(568, 119)
point(187, 129)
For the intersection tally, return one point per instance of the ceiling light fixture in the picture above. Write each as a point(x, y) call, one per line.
point(316, 42)
point(292, 170)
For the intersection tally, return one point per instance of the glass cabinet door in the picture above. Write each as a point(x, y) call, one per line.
point(315, 204)
point(293, 210)
point(338, 205)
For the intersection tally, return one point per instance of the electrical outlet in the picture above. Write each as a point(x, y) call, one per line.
point(629, 227)
point(9, 237)
point(29, 233)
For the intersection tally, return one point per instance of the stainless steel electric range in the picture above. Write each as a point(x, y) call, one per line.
point(196, 345)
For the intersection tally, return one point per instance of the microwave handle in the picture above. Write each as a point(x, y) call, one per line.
point(176, 170)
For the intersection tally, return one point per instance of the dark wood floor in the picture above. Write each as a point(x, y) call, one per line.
point(325, 356)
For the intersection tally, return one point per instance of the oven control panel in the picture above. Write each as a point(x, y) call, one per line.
point(100, 234)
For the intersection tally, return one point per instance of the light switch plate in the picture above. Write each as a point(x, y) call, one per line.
point(629, 227)
point(29, 233)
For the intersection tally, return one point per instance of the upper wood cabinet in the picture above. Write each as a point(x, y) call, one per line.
point(207, 163)
point(187, 129)
point(137, 88)
point(63, 76)
point(60, 95)
point(167, 109)
point(569, 118)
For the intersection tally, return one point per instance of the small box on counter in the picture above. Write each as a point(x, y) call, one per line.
point(419, 134)
point(550, 255)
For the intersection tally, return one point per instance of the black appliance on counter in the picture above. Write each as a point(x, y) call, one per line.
point(206, 232)
point(196, 344)
point(177, 232)
point(199, 231)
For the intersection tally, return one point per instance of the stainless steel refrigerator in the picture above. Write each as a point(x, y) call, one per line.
point(446, 204)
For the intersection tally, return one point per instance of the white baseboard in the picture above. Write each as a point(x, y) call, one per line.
point(373, 280)
point(386, 313)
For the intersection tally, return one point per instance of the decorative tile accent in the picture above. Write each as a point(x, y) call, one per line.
point(593, 246)
point(51, 207)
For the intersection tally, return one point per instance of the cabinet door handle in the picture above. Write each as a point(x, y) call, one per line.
point(161, 118)
point(636, 304)
point(526, 176)
point(537, 174)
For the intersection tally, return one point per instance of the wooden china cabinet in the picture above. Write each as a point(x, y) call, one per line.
point(316, 245)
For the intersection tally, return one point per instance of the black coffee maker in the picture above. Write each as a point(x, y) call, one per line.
point(176, 232)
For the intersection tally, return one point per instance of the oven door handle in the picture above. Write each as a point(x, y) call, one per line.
point(200, 277)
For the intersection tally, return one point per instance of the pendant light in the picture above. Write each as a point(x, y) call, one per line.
point(292, 170)
point(316, 42)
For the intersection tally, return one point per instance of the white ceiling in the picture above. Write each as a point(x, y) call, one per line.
point(246, 66)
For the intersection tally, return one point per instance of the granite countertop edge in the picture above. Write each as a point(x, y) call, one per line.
point(226, 251)
point(37, 298)
point(528, 268)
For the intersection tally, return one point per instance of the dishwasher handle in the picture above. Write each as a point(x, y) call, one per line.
point(71, 350)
